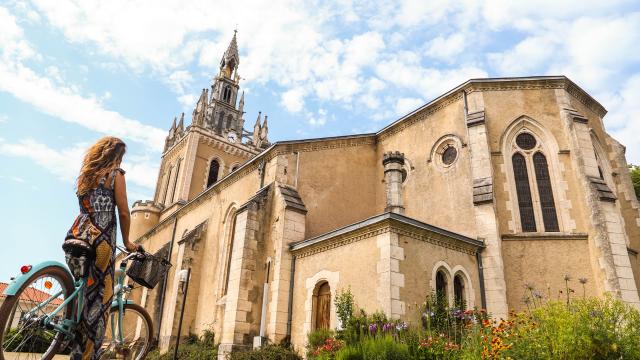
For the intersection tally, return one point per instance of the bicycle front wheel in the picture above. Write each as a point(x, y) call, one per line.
point(24, 335)
point(130, 338)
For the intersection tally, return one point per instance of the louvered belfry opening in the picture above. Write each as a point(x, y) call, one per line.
point(525, 202)
point(545, 192)
point(213, 173)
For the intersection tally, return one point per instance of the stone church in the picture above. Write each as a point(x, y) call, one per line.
point(494, 184)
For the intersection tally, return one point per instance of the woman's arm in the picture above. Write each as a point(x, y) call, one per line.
point(120, 189)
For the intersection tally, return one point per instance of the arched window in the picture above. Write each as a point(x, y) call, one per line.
point(547, 205)
point(226, 94)
point(175, 182)
point(166, 185)
point(322, 306)
point(213, 172)
point(227, 269)
point(525, 202)
point(531, 158)
point(459, 292)
point(441, 287)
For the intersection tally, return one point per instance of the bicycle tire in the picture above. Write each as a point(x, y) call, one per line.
point(147, 319)
point(6, 310)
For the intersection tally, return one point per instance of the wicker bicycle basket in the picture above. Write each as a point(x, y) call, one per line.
point(148, 270)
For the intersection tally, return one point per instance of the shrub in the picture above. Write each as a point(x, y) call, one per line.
point(384, 348)
point(317, 339)
point(344, 306)
point(193, 347)
point(269, 352)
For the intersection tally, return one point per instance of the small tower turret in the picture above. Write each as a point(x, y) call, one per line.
point(393, 163)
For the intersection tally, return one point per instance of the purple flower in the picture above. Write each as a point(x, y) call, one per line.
point(386, 327)
point(373, 328)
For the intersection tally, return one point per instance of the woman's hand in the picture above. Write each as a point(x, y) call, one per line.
point(131, 247)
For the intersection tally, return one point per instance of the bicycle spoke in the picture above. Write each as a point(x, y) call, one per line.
point(25, 334)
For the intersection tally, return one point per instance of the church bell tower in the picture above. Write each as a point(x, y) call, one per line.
point(213, 146)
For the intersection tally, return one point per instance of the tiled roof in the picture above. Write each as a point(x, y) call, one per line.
point(31, 295)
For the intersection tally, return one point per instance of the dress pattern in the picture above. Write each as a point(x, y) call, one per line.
point(96, 225)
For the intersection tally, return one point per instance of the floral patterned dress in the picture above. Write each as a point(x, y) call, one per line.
point(96, 225)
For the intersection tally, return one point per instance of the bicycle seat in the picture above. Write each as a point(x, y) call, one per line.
point(78, 248)
point(78, 254)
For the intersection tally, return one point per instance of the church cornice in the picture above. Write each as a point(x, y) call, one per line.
point(380, 224)
point(492, 84)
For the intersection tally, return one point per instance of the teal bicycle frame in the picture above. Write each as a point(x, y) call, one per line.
point(67, 326)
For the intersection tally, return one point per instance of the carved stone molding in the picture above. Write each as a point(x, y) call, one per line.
point(387, 222)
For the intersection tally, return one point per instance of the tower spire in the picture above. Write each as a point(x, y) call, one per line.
point(231, 58)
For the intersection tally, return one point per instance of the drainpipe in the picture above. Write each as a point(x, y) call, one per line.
point(483, 296)
point(290, 307)
point(164, 280)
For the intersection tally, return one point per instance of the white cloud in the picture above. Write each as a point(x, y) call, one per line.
point(405, 105)
point(446, 48)
point(622, 119)
point(528, 55)
point(65, 163)
point(17, 179)
point(58, 99)
point(68, 105)
point(14, 46)
point(187, 101)
point(3, 119)
point(293, 100)
point(179, 80)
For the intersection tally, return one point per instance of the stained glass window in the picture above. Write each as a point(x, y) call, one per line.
point(525, 202)
point(549, 216)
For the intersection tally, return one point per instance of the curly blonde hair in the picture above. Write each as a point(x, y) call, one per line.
point(100, 159)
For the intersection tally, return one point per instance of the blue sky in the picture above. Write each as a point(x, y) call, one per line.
point(73, 71)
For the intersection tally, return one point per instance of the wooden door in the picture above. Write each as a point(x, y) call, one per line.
point(323, 307)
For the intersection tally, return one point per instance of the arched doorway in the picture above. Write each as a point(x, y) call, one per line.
point(322, 306)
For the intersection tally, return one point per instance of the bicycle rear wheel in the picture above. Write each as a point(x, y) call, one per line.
point(136, 337)
point(23, 335)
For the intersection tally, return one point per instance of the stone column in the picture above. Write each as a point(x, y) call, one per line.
point(390, 279)
point(393, 163)
point(485, 214)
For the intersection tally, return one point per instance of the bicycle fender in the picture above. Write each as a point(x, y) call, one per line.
point(15, 285)
point(114, 303)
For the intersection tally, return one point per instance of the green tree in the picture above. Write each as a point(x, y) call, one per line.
point(635, 178)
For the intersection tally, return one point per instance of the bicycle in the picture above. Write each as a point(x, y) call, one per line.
point(44, 304)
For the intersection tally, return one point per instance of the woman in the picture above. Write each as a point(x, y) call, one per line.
point(101, 188)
